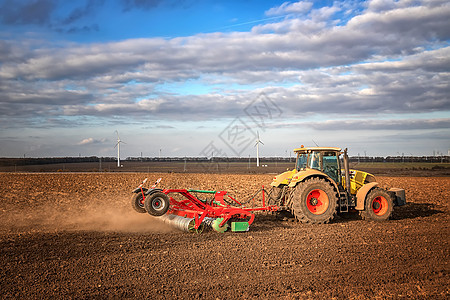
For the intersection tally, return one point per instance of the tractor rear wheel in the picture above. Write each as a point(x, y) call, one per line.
point(314, 201)
point(157, 204)
point(378, 206)
point(137, 202)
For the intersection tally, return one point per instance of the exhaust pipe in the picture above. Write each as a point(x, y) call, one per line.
point(347, 172)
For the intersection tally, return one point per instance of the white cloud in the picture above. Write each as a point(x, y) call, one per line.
point(381, 5)
point(392, 58)
point(86, 141)
point(299, 7)
point(383, 124)
point(89, 141)
point(291, 43)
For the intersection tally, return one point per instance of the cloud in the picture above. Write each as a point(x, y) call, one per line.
point(404, 124)
point(80, 12)
point(416, 84)
point(159, 127)
point(390, 58)
point(147, 5)
point(283, 46)
point(299, 7)
point(83, 29)
point(381, 5)
point(140, 4)
point(47, 13)
point(398, 25)
point(14, 12)
point(89, 141)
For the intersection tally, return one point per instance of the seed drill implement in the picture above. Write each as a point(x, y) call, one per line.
point(185, 210)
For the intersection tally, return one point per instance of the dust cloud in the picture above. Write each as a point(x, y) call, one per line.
point(87, 218)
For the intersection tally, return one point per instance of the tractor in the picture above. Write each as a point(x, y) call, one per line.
point(322, 185)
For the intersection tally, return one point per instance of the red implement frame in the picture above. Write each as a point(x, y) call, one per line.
point(191, 207)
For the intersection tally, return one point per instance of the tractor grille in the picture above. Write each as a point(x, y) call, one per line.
point(359, 178)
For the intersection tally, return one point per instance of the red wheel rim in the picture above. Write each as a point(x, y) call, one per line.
point(379, 205)
point(317, 202)
point(157, 204)
point(140, 200)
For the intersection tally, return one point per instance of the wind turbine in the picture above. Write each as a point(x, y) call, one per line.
point(258, 141)
point(118, 148)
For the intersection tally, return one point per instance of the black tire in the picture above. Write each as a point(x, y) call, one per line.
point(378, 205)
point(314, 201)
point(137, 202)
point(157, 204)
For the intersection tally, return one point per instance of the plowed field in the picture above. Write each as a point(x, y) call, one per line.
point(76, 236)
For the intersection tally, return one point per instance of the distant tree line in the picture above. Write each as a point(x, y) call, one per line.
point(401, 159)
point(67, 160)
point(4, 162)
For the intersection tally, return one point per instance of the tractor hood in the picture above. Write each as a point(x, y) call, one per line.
point(358, 179)
point(283, 178)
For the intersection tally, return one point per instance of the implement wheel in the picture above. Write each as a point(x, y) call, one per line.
point(137, 202)
point(157, 204)
point(216, 225)
point(314, 201)
point(378, 206)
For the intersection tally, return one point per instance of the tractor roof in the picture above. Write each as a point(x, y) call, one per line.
point(306, 149)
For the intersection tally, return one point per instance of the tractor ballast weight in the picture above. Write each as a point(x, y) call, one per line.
point(321, 185)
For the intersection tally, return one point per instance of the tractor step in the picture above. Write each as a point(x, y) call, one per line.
point(343, 201)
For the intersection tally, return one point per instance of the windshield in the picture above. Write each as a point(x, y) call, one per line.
point(302, 159)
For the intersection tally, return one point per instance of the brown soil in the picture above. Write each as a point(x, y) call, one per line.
point(76, 236)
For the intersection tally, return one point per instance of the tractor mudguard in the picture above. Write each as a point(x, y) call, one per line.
point(300, 176)
point(362, 193)
point(305, 174)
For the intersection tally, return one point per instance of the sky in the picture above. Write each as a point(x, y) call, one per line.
point(208, 78)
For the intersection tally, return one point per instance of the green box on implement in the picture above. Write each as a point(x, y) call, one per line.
point(239, 226)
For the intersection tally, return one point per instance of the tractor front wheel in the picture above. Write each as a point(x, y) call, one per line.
point(157, 204)
point(314, 201)
point(378, 206)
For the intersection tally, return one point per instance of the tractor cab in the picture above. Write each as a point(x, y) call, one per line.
point(323, 159)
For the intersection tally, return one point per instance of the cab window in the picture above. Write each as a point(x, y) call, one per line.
point(331, 165)
point(314, 160)
point(302, 159)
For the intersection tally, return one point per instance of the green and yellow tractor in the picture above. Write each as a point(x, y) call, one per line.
point(322, 185)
